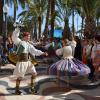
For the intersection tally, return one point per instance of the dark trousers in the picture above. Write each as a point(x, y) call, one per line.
point(90, 64)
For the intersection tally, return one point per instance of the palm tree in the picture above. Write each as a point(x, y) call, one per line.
point(34, 13)
point(65, 11)
point(29, 19)
point(51, 18)
point(17, 3)
point(38, 8)
point(72, 5)
point(90, 8)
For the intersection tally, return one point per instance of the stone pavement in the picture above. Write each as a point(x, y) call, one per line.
point(47, 88)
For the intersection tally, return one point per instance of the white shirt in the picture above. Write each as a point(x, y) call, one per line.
point(28, 48)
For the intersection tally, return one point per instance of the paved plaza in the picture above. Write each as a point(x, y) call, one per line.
point(47, 88)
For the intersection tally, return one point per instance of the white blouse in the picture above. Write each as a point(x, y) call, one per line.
point(66, 51)
point(73, 45)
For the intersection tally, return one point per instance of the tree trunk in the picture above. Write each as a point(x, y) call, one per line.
point(35, 30)
point(1, 16)
point(45, 33)
point(39, 20)
point(14, 11)
point(82, 25)
point(90, 27)
point(66, 32)
point(73, 31)
point(52, 19)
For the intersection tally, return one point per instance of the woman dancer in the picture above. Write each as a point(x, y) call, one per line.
point(68, 65)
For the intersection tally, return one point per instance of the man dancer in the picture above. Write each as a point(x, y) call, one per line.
point(23, 65)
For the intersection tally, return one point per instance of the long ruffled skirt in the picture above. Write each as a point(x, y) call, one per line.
point(65, 67)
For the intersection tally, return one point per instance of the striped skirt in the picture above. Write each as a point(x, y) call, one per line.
point(68, 66)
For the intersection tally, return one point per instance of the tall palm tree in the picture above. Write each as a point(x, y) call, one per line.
point(35, 13)
point(90, 8)
point(72, 5)
point(65, 11)
point(39, 8)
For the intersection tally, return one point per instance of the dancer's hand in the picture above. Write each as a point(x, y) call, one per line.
point(17, 30)
point(45, 53)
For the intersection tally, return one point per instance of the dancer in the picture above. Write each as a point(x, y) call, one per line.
point(23, 65)
point(68, 65)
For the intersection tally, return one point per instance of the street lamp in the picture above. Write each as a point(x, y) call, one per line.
point(5, 11)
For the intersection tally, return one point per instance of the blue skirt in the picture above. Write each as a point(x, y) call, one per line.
point(65, 67)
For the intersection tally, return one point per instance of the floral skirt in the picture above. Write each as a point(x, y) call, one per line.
point(68, 67)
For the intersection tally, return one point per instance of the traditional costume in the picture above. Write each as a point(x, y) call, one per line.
point(67, 65)
point(24, 65)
